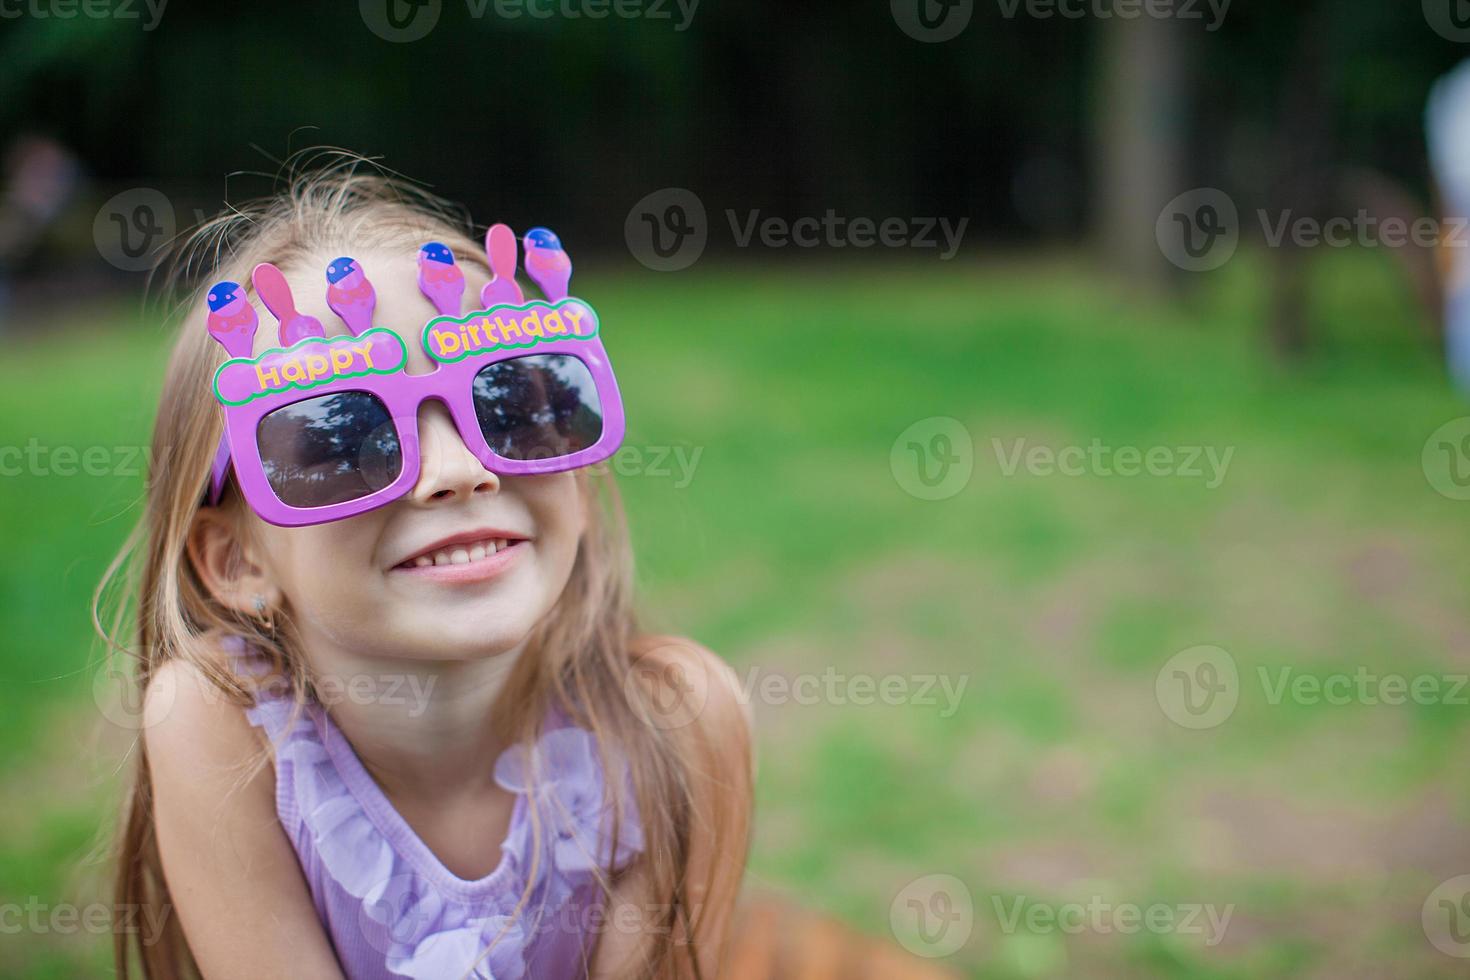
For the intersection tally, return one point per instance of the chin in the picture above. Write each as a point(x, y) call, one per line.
point(465, 641)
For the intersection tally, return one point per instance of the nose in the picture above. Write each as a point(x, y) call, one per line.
point(447, 468)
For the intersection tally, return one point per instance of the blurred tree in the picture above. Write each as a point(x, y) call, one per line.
point(1141, 113)
point(1303, 174)
point(1032, 126)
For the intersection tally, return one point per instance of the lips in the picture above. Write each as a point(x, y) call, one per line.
point(462, 549)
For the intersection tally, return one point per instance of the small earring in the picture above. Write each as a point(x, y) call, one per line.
point(260, 604)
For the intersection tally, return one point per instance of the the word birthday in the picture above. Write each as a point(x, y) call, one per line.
point(314, 361)
point(449, 339)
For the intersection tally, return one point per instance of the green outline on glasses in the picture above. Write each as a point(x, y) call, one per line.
point(307, 386)
point(531, 342)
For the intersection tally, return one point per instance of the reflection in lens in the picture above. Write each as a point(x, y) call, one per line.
point(329, 449)
point(538, 407)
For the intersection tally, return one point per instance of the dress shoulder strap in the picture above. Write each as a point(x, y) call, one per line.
point(275, 712)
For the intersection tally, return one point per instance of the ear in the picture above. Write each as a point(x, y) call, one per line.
point(227, 562)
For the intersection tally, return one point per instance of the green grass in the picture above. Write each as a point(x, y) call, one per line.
point(794, 549)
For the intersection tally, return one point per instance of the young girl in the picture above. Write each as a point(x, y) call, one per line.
point(400, 721)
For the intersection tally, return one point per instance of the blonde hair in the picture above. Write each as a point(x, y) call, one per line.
point(578, 659)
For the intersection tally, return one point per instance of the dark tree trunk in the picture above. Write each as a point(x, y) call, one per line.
point(1303, 178)
point(1140, 142)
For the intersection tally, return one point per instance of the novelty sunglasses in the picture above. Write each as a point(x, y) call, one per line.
point(325, 428)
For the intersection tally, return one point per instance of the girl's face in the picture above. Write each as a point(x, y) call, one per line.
point(501, 548)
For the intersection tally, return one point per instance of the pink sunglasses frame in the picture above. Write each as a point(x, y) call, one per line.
point(451, 382)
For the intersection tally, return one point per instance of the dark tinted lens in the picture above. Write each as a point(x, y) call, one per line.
point(329, 449)
point(538, 407)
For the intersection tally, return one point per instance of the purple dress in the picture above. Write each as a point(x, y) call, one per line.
point(392, 909)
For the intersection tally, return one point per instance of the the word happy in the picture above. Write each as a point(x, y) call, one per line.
point(449, 339)
point(314, 361)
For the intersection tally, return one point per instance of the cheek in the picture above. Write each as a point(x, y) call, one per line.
point(309, 563)
point(557, 502)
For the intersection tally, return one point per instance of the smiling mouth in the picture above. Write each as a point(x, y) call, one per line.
point(460, 553)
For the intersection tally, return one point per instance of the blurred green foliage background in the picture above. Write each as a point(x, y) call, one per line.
point(794, 548)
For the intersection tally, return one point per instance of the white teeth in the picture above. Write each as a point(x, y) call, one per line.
point(462, 554)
